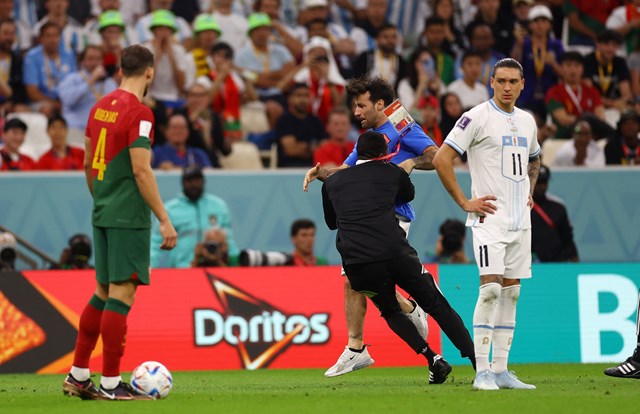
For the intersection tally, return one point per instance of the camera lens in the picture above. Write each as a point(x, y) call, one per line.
point(212, 247)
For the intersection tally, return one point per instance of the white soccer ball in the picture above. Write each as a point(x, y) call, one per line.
point(152, 378)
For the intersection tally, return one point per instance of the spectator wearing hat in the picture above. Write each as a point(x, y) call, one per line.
point(193, 212)
point(429, 117)
point(82, 89)
point(175, 153)
point(109, 27)
point(61, 156)
point(551, 229)
point(206, 32)
point(623, 148)
point(171, 67)
point(333, 151)
point(11, 159)
point(538, 53)
point(581, 150)
point(469, 88)
point(609, 73)
point(71, 32)
point(265, 63)
point(234, 26)
point(572, 97)
point(320, 73)
point(45, 66)
point(181, 28)
point(12, 89)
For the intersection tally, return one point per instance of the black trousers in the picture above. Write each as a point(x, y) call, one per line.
point(378, 280)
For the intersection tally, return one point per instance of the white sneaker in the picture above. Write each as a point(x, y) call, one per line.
point(419, 319)
point(508, 380)
point(350, 361)
point(485, 380)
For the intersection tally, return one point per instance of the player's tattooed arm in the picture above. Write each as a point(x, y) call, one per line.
point(421, 162)
point(532, 170)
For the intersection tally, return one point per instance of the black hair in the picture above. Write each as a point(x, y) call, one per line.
point(572, 56)
point(301, 224)
point(452, 232)
point(135, 60)
point(469, 54)
point(386, 26)
point(15, 123)
point(371, 145)
point(317, 20)
point(508, 63)
point(48, 25)
point(56, 118)
point(434, 21)
point(608, 35)
point(223, 47)
point(377, 87)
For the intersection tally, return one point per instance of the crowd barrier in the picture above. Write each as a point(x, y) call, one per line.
point(604, 207)
point(251, 318)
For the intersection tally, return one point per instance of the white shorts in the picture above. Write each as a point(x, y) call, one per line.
point(502, 252)
point(405, 225)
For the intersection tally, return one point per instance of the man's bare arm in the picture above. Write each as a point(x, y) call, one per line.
point(421, 162)
point(319, 173)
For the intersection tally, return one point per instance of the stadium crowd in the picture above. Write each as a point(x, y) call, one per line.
point(252, 74)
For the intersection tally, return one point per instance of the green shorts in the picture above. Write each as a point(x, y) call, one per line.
point(122, 254)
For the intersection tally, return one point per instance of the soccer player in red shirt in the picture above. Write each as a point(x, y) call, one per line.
point(10, 158)
point(119, 176)
point(61, 156)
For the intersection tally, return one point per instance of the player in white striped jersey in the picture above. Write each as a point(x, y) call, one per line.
point(503, 155)
point(631, 367)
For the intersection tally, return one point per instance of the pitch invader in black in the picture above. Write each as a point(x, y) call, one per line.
point(359, 202)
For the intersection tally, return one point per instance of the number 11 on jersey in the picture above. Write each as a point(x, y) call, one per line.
point(98, 156)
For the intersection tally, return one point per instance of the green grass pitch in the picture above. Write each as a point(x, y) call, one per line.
point(561, 389)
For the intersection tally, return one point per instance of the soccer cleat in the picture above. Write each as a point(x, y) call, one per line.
point(439, 370)
point(508, 380)
point(123, 392)
point(628, 369)
point(419, 319)
point(83, 389)
point(485, 381)
point(350, 361)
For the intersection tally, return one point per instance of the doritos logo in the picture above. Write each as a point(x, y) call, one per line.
point(256, 328)
point(463, 123)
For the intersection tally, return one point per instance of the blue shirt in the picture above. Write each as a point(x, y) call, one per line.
point(192, 156)
point(548, 78)
point(78, 99)
point(412, 145)
point(279, 56)
point(45, 73)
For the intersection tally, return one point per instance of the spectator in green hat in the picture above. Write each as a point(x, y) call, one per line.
point(206, 32)
point(109, 27)
point(171, 67)
point(265, 63)
point(181, 27)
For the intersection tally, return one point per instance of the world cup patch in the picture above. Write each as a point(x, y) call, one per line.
point(145, 129)
point(463, 123)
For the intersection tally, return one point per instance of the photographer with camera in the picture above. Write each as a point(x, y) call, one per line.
point(76, 254)
point(80, 90)
point(213, 251)
point(450, 244)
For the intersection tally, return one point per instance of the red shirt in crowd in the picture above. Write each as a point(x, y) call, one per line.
point(73, 160)
point(331, 153)
point(20, 163)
